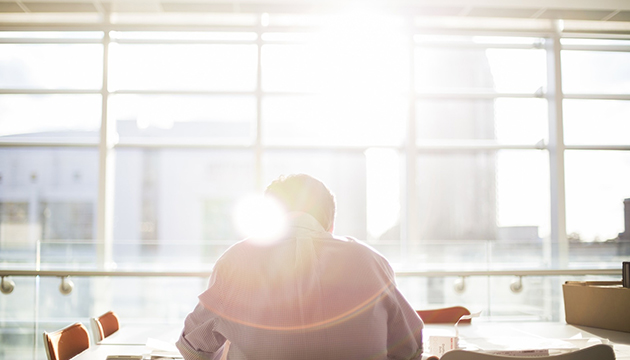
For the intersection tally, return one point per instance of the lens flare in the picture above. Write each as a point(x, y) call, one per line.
point(261, 219)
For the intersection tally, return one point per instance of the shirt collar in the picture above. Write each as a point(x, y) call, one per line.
point(302, 224)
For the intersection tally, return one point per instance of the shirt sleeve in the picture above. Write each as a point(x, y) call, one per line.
point(404, 326)
point(199, 340)
point(404, 330)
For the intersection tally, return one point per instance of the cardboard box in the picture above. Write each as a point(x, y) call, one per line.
point(600, 304)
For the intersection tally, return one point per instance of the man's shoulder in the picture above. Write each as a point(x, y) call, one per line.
point(363, 247)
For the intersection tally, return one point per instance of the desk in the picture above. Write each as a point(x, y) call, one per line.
point(100, 352)
point(480, 333)
point(504, 335)
point(139, 334)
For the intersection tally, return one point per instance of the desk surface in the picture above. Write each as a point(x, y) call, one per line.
point(480, 333)
point(139, 334)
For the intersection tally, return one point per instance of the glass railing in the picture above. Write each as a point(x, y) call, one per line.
point(159, 283)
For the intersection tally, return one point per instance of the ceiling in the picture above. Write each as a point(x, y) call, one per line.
point(596, 15)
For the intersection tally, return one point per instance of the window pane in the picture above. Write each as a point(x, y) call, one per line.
point(595, 72)
point(51, 66)
point(49, 195)
point(332, 120)
point(290, 68)
point(502, 70)
point(505, 120)
point(340, 59)
point(596, 122)
point(175, 206)
point(596, 185)
point(224, 118)
point(483, 195)
point(53, 116)
point(183, 67)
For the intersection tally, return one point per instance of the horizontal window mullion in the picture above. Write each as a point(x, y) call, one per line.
point(27, 91)
point(597, 96)
point(475, 95)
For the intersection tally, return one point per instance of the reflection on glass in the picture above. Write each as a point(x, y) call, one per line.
point(51, 66)
point(598, 72)
point(227, 118)
point(333, 120)
point(596, 122)
point(226, 67)
point(596, 185)
point(51, 116)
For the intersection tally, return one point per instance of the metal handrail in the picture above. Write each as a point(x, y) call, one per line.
point(450, 273)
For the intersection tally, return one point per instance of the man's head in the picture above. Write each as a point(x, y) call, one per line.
point(301, 192)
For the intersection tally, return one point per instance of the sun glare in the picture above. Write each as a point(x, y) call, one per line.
point(261, 219)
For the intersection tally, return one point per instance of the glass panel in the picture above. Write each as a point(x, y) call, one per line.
point(596, 122)
point(595, 72)
point(183, 67)
point(332, 120)
point(175, 206)
point(596, 186)
point(505, 120)
point(224, 118)
point(51, 116)
point(485, 195)
point(343, 173)
point(51, 66)
point(501, 70)
point(18, 313)
point(48, 195)
point(15, 230)
point(341, 59)
point(291, 68)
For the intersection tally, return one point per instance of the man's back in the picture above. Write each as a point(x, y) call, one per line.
point(309, 296)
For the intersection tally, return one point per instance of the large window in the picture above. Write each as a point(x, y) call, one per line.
point(130, 150)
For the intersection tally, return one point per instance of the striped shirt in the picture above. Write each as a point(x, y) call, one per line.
point(308, 296)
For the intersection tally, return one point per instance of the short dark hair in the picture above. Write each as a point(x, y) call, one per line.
point(301, 192)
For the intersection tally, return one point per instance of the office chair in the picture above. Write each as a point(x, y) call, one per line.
point(66, 343)
point(104, 325)
point(595, 352)
point(448, 315)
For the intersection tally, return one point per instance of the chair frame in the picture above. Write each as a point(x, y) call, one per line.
point(66, 343)
point(104, 325)
point(447, 315)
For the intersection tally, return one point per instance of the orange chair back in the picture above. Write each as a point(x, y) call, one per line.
point(448, 315)
point(107, 324)
point(66, 343)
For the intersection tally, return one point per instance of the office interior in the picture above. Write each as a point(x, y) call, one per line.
point(483, 147)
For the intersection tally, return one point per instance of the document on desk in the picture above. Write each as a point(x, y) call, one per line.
point(528, 346)
point(162, 350)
